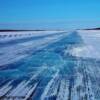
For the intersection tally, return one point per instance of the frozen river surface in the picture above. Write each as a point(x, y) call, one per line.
point(50, 66)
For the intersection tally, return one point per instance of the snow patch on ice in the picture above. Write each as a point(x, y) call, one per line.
point(85, 51)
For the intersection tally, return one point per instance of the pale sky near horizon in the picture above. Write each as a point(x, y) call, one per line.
point(49, 14)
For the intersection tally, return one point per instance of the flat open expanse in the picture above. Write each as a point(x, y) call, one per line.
point(50, 65)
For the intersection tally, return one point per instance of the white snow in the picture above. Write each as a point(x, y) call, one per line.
point(91, 46)
point(8, 36)
point(85, 51)
point(16, 52)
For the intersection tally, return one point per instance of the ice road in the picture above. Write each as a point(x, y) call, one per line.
point(50, 65)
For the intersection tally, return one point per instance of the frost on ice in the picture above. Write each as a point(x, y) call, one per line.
point(50, 65)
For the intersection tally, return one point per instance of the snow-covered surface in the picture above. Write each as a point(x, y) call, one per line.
point(13, 53)
point(85, 51)
point(91, 46)
point(55, 65)
point(8, 36)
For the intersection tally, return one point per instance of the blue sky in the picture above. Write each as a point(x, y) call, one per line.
point(49, 13)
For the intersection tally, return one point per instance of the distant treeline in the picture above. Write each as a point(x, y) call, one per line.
point(18, 30)
point(93, 29)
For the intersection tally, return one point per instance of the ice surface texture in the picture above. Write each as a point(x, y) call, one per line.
point(50, 66)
